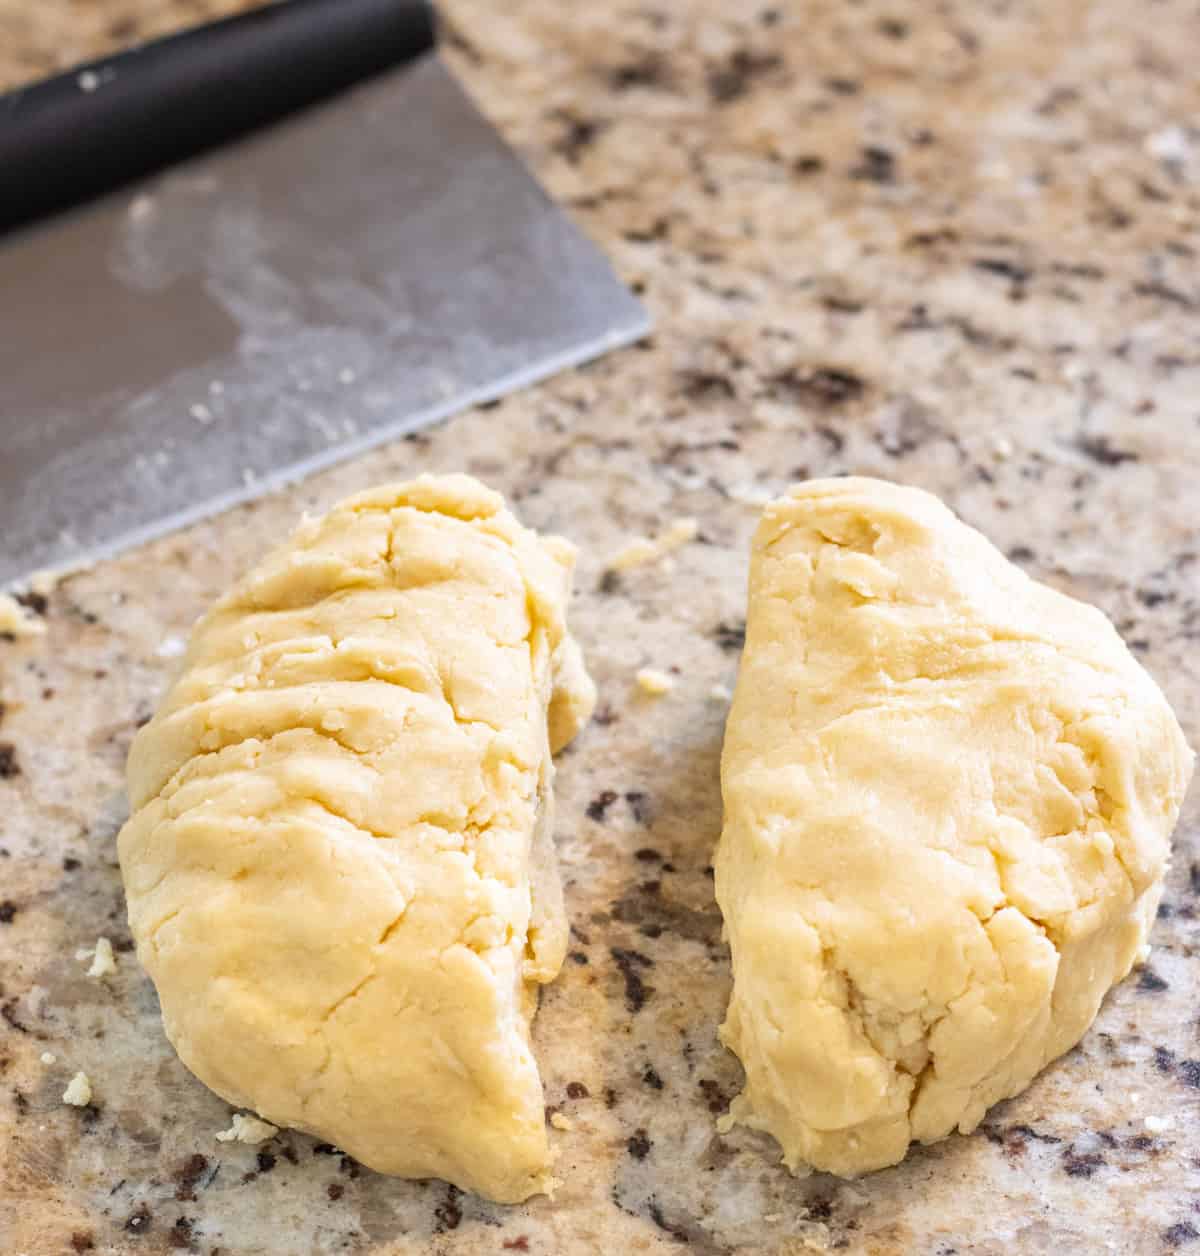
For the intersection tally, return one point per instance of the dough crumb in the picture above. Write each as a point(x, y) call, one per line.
point(653, 682)
point(561, 1121)
point(247, 1129)
point(103, 960)
point(720, 693)
point(646, 550)
point(79, 1091)
point(48, 1058)
point(15, 619)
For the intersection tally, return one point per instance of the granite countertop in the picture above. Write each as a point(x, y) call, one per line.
point(953, 245)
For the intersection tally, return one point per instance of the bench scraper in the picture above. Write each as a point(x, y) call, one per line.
point(241, 253)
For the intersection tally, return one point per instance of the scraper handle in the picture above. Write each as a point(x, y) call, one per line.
point(88, 131)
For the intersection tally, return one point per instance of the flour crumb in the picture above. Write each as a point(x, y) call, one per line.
point(646, 550)
point(15, 619)
point(48, 1058)
point(720, 693)
point(88, 81)
point(170, 647)
point(561, 1121)
point(101, 955)
point(247, 1129)
point(1002, 448)
point(653, 682)
point(79, 1091)
point(1159, 1124)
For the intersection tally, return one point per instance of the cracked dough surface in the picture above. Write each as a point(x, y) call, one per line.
point(339, 867)
point(949, 792)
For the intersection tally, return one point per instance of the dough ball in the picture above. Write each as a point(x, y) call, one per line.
point(949, 793)
point(339, 867)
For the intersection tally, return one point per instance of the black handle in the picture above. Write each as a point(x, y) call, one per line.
point(86, 132)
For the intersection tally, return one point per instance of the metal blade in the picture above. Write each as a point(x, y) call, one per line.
point(360, 270)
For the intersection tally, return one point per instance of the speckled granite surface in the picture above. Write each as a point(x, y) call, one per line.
point(950, 244)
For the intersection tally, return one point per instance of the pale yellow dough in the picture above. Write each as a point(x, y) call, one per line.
point(949, 793)
point(339, 866)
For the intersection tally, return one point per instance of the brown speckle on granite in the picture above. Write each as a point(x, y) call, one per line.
point(951, 245)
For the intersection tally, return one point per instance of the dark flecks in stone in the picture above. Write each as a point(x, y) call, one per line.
point(577, 1090)
point(8, 761)
point(705, 386)
point(644, 906)
point(808, 164)
point(647, 854)
point(266, 1161)
point(824, 387)
point(1149, 982)
point(1100, 450)
point(651, 1078)
point(1021, 554)
point(605, 715)
point(1189, 1073)
point(139, 1220)
point(875, 165)
point(70, 864)
point(88, 1115)
point(1180, 1233)
point(732, 79)
point(674, 1230)
point(325, 1149)
point(578, 134)
point(834, 439)
point(651, 930)
point(9, 1012)
point(35, 602)
point(1165, 911)
point(639, 804)
point(716, 1099)
point(907, 430)
point(518, 1244)
point(20, 1102)
point(1081, 1166)
point(349, 1166)
point(1003, 267)
point(659, 229)
point(1140, 1142)
point(180, 1236)
point(892, 28)
point(843, 86)
point(335, 1190)
point(83, 1241)
point(731, 637)
point(1139, 645)
point(841, 305)
point(597, 809)
point(820, 1208)
point(609, 582)
point(578, 957)
point(1194, 877)
point(8, 909)
point(610, 1097)
point(636, 990)
point(449, 1211)
point(1164, 292)
point(188, 1175)
point(638, 1144)
point(648, 70)
point(1153, 597)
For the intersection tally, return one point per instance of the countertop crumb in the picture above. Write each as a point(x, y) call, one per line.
point(648, 550)
point(104, 962)
point(654, 683)
point(48, 1058)
point(561, 1121)
point(247, 1129)
point(79, 1091)
point(720, 693)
